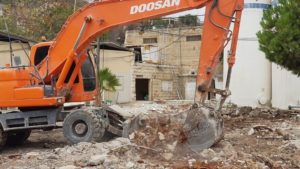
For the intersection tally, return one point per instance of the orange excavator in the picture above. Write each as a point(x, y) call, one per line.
point(63, 71)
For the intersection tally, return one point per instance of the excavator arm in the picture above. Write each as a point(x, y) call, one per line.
point(94, 19)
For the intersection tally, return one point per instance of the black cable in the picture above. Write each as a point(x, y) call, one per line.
point(214, 4)
point(221, 13)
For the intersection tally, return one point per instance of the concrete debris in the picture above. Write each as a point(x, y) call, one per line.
point(172, 147)
point(97, 160)
point(255, 138)
point(130, 164)
point(284, 134)
point(298, 117)
point(110, 161)
point(31, 154)
point(167, 156)
point(191, 163)
point(43, 167)
point(208, 154)
point(251, 132)
point(68, 167)
point(161, 136)
point(131, 136)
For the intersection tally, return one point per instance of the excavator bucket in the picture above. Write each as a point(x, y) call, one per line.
point(202, 128)
point(194, 129)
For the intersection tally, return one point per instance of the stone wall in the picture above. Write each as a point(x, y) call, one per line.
point(157, 76)
point(175, 49)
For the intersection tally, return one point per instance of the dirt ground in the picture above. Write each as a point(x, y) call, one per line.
point(254, 138)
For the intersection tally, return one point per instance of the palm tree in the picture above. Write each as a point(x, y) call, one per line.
point(107, 80)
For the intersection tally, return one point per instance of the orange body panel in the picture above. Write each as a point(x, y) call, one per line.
point(29, 93)
point(52, 101)
point(70, 47)
point(13, 78)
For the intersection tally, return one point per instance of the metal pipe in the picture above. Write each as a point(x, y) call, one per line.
point(82, 30)
point(75, 4)
point(10, 45)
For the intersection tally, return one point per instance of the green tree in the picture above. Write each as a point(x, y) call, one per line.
point(36, 18)
point(107, 80)
point(279, 38)
point(189, 20)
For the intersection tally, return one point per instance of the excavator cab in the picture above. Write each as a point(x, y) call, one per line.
point(84, 85)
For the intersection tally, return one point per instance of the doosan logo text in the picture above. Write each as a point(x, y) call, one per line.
point(153, 6)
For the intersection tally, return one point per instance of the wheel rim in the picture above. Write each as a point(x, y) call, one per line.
point(79, 128)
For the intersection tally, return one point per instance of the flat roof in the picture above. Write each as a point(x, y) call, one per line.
point(111, 46)
point(4, 36)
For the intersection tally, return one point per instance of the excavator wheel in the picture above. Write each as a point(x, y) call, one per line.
point(84, 125)
point(3, 138)
point(17, 137)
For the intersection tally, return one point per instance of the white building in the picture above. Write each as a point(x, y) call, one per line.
point(255, 81)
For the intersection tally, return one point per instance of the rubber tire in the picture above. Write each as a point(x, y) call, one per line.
point(17, 137)
point(3, 138)
point(95, 127)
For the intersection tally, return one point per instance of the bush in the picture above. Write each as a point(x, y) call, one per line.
point(280, 35)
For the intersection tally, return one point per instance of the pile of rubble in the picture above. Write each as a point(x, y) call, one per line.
point(254, 138)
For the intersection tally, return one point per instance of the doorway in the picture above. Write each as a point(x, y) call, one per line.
point(142, 89)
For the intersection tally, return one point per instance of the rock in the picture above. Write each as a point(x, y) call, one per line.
point(68, 167)
point(241, 162)
point(191, 163)
point(16, 167)
point(53, 157)
point(110, 160)
point(80, 146)
point(298, 117)
point(31, 154)
point(251, 132)
point(208, 153)
point(215, 159)
point(57, 150)
point(130, 164)
point(123, 140)
point(43, 167)
point(161, 136)
point(97, 160)
point(131, 136)
point(284, 134)
point(277, 164)
point(99, 146)
point(172, 147)
point(167, 156)
point(243, 111)
point(80, 163)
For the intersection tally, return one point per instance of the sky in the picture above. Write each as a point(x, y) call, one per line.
point(192, 12)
